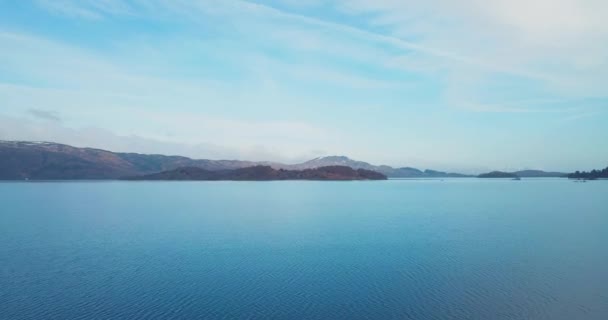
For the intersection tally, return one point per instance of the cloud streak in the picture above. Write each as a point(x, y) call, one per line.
point(242, 7)
point(453, 57)
point(44, 114)
point(416, 80)
point(18, 128)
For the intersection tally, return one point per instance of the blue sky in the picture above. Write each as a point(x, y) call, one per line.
point(455, 85)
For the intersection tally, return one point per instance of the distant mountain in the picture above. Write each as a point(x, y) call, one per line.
point(591, 175)
point(441, 174)
point(21, 160)
point(332, 161)
point(53, 161)
point(264, 173)
point(498, 174)
point(539, 174)
point(523, 174)
point(405, 172)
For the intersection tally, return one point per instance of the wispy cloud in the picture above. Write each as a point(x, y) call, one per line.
point(396, 41)
point(583, 115)
point(284, 77)
point(69, 8)
point(247, 8)
point(87, 9)
point(523, 38)
point(48, 115)
point(217, 138)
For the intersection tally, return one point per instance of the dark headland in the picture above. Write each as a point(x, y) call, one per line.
point(591, 175)
point(498, 174)
point(264, 173)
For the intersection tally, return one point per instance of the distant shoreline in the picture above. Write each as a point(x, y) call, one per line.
point(20, 160)
point(304, 180)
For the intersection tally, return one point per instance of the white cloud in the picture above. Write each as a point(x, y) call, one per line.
point(92, 91)
point(212, 135)
point(480, 107)
point(484, 56)
point(527, 38)
point(86, 9)
point(553, 41)
point(68, 8)
point(48, 115)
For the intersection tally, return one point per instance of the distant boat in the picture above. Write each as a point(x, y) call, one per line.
point(517, 178)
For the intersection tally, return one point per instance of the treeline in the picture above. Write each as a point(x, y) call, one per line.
point(593, 174)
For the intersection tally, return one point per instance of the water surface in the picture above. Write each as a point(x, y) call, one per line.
point(397, 249)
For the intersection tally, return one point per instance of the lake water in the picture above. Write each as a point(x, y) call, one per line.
point(397, 249)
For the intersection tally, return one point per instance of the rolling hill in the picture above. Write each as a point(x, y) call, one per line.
point(26, 160)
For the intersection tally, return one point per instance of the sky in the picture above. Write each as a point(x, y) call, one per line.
point(467, 85)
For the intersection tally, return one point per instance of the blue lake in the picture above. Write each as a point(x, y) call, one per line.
point(397, 249)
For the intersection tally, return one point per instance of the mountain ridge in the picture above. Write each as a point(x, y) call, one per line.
point(263, 173)
point(42, 160)
point(400, 172)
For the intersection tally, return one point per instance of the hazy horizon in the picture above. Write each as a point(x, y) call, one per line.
point(466, 87)
point(469, 172)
